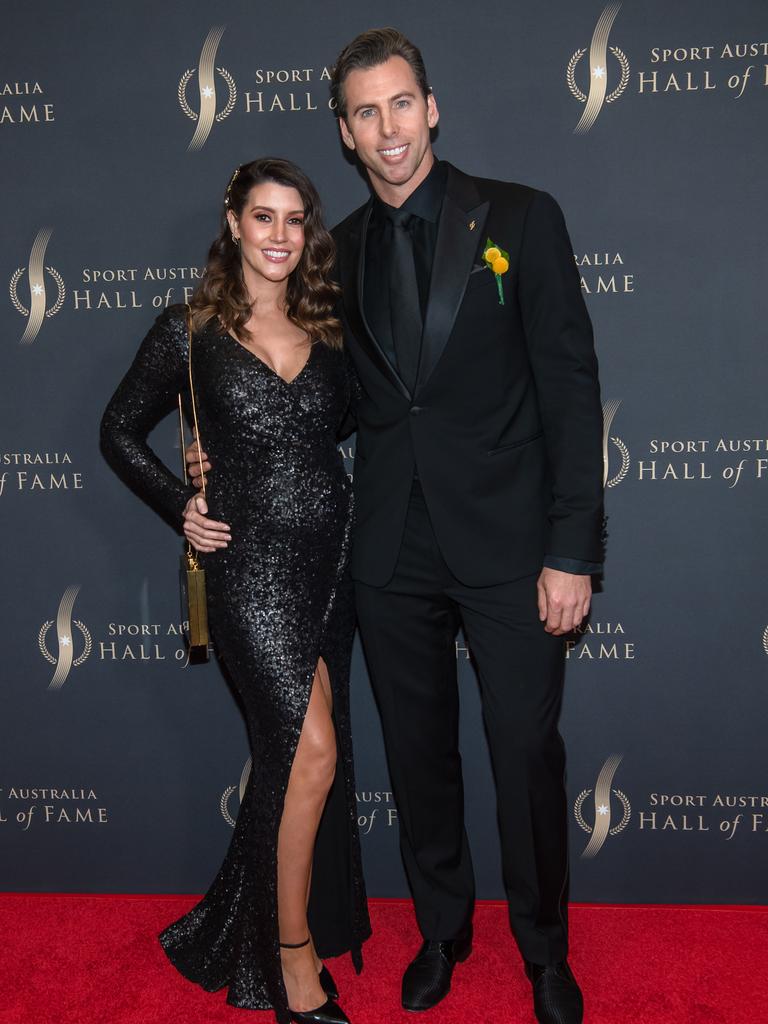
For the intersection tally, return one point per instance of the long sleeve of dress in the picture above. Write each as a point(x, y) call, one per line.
point(349, 423)
point(145, 395)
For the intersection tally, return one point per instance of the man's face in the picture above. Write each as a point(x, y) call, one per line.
point(387, 124)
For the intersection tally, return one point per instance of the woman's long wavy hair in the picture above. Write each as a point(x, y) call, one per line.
point(311, 294)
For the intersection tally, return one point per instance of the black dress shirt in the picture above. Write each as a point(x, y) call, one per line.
point(425, 205)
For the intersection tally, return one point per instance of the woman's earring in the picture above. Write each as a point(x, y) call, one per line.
point(235, 240)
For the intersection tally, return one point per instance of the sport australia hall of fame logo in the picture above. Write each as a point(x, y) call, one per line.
point(226, 813)
point(598, 71)
point(36, 271)
point(602, 813)
point(206, 72)
point(65, 658)
point(610, 408)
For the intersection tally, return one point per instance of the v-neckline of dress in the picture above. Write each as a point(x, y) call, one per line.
point(266, 365)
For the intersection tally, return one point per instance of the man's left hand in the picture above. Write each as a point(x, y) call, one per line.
point(564, 600)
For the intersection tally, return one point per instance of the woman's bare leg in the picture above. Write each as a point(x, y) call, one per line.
point(325, 682)
point(312, 774)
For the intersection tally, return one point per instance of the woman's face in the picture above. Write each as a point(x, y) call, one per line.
point(270, 230)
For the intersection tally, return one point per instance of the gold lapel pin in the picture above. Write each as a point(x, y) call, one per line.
point(472, 224)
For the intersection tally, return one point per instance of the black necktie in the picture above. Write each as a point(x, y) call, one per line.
point(405, 310)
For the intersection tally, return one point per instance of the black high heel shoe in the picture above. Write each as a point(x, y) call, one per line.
point(330, 1012)
point(329, 986)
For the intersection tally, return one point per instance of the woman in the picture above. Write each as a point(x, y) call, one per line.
point(272, 387)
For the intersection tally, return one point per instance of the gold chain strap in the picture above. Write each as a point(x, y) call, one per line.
point(191, 556)
point(192, 393)
point(194, 412)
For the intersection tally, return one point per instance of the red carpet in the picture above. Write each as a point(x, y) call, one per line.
point(94, 960)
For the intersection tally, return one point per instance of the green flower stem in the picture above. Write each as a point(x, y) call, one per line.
point(501, 289)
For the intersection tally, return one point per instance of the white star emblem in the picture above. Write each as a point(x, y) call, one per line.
point(598, 72)
point(37, 289)
point(65, 641)
point(602, 809)
point(207, 92)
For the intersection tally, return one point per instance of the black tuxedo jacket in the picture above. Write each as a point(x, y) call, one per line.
point(504, 427)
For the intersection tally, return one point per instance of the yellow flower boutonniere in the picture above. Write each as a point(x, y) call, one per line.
point(497, 261)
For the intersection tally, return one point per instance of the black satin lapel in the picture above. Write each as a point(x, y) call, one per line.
point(366, 336)
point(352, 249)
point(455, 251)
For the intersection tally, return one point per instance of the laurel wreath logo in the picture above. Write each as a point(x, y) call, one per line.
point(230, 106)
point(224, 805)
point(21, 308)
point(570, 75)
point(616, 828)
point(624, 463)
point(88, 642)
point(225, 796)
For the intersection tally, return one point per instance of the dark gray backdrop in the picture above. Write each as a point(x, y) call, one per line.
point(120, 776)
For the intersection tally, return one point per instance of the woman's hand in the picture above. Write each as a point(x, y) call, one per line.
point(195, 468)
point(202, 533)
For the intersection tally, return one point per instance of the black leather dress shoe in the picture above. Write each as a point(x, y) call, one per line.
point(328, 1013)
point(427, 978)
point(556, 995)
point(327, 983)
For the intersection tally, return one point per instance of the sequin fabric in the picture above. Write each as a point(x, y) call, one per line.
point(279, 597)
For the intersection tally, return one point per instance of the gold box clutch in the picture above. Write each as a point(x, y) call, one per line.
point(196, 605)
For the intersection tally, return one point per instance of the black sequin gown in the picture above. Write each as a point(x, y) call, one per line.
point(278, 599)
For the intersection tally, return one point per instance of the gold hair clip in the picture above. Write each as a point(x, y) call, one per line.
point(229, 186)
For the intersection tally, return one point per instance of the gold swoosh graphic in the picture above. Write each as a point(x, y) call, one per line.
point(598, 53)
point(64, 628)
point(602, 798)
point(610, 408)
point(244, 776)
point(206, 80)
point(36, 274)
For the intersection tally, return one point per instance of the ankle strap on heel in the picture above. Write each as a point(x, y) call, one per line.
point(295, 945)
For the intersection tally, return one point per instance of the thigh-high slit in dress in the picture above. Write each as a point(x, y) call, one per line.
point(279, 599)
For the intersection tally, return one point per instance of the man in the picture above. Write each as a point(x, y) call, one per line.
point(478, 482)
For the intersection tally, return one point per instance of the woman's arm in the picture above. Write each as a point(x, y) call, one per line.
point(147, 393)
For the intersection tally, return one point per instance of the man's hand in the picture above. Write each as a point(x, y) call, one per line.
point(202, 533)
point(564, 600)
point(195, 470)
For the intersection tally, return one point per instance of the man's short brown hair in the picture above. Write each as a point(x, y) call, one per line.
point(370, 49)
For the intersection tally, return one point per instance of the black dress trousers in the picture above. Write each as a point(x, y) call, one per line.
point(408, 629)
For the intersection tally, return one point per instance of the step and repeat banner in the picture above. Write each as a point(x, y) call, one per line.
point(121, 766)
